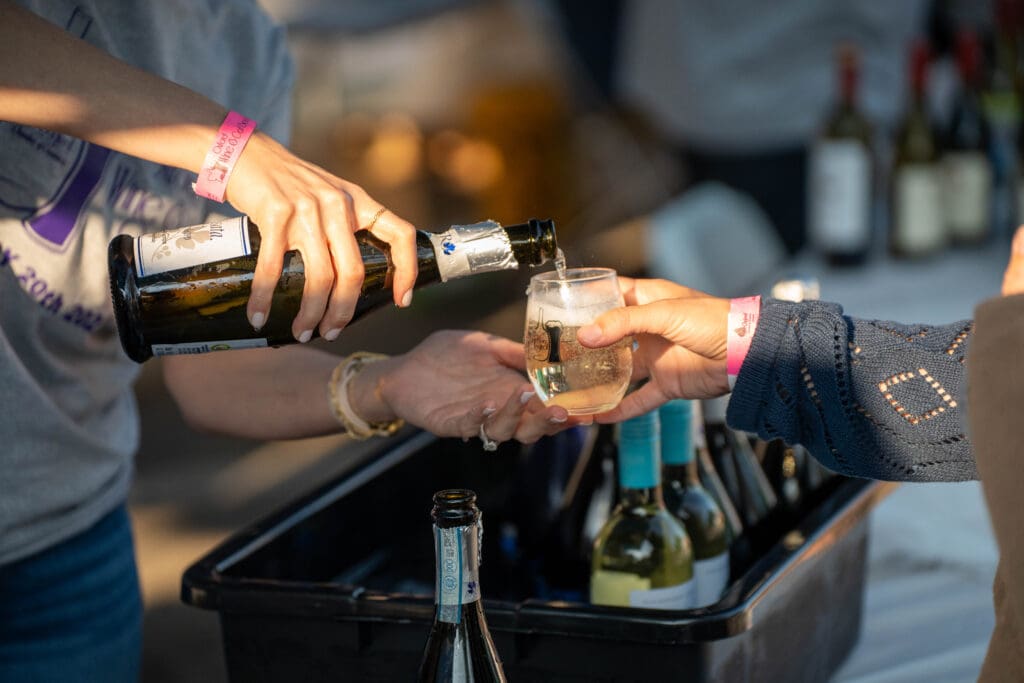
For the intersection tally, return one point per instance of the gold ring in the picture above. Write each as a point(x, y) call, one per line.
point(373, 221)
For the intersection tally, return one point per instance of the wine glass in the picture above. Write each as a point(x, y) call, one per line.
point(563, 372)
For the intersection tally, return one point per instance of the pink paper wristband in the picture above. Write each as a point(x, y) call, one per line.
point(743, 316)
point(220, 160)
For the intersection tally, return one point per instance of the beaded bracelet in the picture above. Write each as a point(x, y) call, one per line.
point(337, 394)
point(220, 161)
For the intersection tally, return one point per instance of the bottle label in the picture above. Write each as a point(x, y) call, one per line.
point(919, 226)
point(712, 576)
point(840, 196)
point(159, 252)
point(467, 249)
point(621, 589)
point(967, 193)
point(192, 348)
point(458, 575)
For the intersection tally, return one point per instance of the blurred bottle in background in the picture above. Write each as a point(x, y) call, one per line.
point(967, 167)
point(1001, 105)
point(918, 228)
point(692, 504)
point(841, 175)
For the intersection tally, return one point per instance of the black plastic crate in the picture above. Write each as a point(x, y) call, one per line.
point(339, 586)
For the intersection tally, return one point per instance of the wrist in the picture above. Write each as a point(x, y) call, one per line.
point(367, 392)
point(744, 313)
point(224, 152)
point(355, 397)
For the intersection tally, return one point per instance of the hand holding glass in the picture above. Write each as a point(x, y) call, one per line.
point(563, 372)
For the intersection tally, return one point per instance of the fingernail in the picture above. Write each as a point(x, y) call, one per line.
point(407, 299)
point(526, 396)
point(554, 419)
point(332, 334)
point(305, 336)
point(489, 411)
point(257, 320)
point(589, 334)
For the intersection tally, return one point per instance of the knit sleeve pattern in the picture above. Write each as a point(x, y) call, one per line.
point(870, 399)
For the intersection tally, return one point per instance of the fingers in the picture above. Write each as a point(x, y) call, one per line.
point(643, 400)
point(346, 269)
point(507, 352)
point(1013, 278)
point(501, 426)
point(269, 264)
point(401, 235)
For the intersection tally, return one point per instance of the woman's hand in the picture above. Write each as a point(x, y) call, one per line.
point(300, 206)
point(452, 383)
point(681, 343)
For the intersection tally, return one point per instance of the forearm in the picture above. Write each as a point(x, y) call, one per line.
point(50, 79)
point(867, 398)
point(269, 393)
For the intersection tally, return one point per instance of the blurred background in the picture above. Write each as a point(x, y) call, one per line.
point(872, 146)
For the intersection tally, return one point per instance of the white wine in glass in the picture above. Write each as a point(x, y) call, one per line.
point(583, 381)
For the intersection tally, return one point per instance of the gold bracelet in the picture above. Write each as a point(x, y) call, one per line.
point(337, 394)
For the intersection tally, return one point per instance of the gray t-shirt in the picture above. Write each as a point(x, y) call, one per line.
point(67, 411)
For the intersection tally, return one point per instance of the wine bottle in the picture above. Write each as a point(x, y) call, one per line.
point(459, 647)
point(643, 556)
point(185, 291)
point(731, 452)
point(691, 503)
point(709, 476)
point(967, 168)
point(841, 178)
point(918, 228)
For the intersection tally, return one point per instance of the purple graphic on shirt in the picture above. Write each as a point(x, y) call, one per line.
point(57, 224)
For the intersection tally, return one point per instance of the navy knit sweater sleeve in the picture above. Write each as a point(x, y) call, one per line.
point(867, 398)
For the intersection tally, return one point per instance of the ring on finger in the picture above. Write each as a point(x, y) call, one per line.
point(373, 221)
point(490, 444)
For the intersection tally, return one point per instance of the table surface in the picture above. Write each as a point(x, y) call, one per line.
point(931, 557)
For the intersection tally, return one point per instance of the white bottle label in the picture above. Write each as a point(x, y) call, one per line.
point(840, 196)
point(457, 581)
point(919, 227)
point(967, 193)
point(681, 596)
point(712, 575)
point(191, 348)
point(159, 252)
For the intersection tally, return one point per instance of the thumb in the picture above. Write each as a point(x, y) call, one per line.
point(1013, 278)
point(658, 318)
point(698, 324)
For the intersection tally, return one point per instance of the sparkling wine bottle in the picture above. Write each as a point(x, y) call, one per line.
point(690, 502)
point(459, 647)
point(643, 556)
point(841, 174)
point(185, 291)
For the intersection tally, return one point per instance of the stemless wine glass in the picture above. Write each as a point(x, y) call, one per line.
point(563, 372)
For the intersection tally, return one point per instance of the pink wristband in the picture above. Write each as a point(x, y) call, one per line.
point(743, 315)
point(220, 160)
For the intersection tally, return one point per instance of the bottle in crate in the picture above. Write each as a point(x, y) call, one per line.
point(459, 648)
point(643, 556)
point(692, 504)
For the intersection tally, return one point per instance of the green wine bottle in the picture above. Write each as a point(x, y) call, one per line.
point(690, 502)
point(459, 647)
point(185, 291)
point(643, 556)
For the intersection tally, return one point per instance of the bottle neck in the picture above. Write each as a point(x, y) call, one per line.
point(685, 472)
point(485, 247)
point(641, 497)
point(457, 551)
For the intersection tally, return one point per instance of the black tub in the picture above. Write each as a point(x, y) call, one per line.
point(339, 586)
